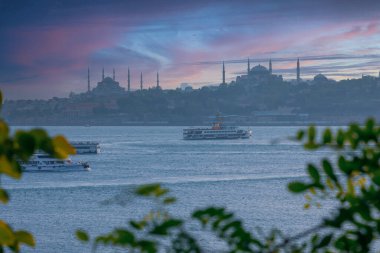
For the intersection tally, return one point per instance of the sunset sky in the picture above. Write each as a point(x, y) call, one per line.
point(46, 46)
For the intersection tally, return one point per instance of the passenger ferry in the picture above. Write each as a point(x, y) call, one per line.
point(86, 147)
point(44, 162)
point(217, 131)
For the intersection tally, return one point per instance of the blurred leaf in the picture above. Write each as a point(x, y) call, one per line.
point(26, 144)
point(313, 172)
point(147, 246)
point(370, 124)
point(7, 168)
point(4, 130)
point(297, 187)
point(340, 138)
point(40, 136)
point(6, 234)
point(123, 237)
point(151, 190)
point(163, 228)
point(82, 236)
point(62, 147)
point(311, 133)
point(4, 197)
point(327, 136)
point(300, 135)
point(137, 225)
point(169, 200)
point(328, 169)
point(325, 241)
point(25, 238)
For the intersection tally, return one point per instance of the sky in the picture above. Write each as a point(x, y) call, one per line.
point(46, 46)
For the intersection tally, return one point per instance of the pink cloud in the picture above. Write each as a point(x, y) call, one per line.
point(356, 31)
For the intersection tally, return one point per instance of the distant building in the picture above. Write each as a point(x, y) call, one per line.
point(108, 87)
point(185, 86)
point(259, 74)
point(320, 78)
point(298, 71)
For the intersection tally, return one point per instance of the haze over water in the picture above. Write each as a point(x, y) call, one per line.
point(247, 176)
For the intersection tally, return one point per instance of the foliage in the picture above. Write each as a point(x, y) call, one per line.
point(353, 180)
point(15, 148)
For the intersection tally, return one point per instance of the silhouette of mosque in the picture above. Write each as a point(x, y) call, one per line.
point(109, 86)
point(259, 74)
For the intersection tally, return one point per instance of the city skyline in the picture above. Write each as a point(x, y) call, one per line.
point(48, 46)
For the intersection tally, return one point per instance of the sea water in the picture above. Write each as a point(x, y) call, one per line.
point(248, 177)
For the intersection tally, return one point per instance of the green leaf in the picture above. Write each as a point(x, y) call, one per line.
point(7, 168)
point(376, 177)
point(137, 225)
point(82, 236)
point(340, 137)
point(147, 246)
point(314, 174)
point(169, 200)
point(163, 228)
point(124, 237)
point(311, 133)
point(6, 234)
point(151, 190)
point(40, 136)
point(325, 241)
point(327, 136)
point(4, 197)
point(4, 130)
point(297, 187)
point(26, 144)
point(62, 147)
point(25, 238)
point(328, 169)
point(370, 124)
point(300, 134)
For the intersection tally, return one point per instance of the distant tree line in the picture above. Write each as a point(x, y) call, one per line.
point(323, 98)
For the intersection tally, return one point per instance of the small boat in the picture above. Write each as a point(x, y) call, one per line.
point(44, 162)
point(86, 147)
point(217, 131)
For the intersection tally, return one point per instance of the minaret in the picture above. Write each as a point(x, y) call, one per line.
point(113, 77)
point(141, 82)
point(298, 71)
point(270, 66)
point(88, 80)
point(103, 74)
point(129, 81)
point(249, 67)
point(158, 81)
point(224, 74)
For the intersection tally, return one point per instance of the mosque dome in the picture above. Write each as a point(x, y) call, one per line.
point(259, 69)
point(320, 78)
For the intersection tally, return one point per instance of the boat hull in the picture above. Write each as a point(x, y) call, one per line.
point(215, 137)
point(199, 135)
point(66, 168)
point(86, 147)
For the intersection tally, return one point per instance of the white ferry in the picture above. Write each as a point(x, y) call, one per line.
point(44, 162)
point(217, 131)
point(86, 147)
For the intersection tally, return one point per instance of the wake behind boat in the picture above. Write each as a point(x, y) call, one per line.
point(44, 162)
point(217, 131)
